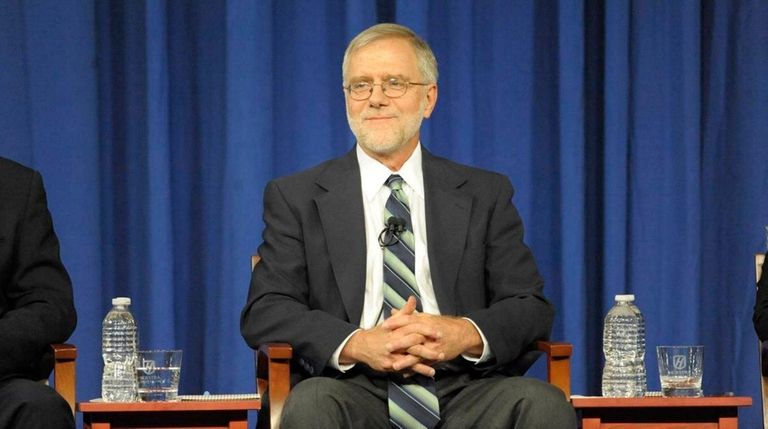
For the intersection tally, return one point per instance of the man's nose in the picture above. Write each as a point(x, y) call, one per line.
point(377, 96)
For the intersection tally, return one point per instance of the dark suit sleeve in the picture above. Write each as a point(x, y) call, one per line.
point(281, 307)
point(38, 301)
point(516, 313)
point(760, 315)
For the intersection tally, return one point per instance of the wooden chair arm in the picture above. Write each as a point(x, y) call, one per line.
point(273, 374)
point(64, 356)
point(558, 364)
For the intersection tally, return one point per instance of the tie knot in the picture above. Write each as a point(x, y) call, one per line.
point(394, 182)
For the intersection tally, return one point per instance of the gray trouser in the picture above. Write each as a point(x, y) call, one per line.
point(497, 402)
point(32, 405)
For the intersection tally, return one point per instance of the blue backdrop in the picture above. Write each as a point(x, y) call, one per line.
point(633, 131)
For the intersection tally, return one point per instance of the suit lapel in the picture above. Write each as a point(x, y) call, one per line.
point(342, 218)
point(447, 212)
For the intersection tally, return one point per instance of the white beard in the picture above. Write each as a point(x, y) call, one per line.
point(387, 141)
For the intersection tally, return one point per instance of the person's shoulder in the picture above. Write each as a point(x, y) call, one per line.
point(466, 171)
point(12, 168)
point(13, 174)
point(343, 164)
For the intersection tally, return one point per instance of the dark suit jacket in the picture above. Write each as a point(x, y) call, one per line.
point(308, 289)
point(36, 306)
point(760, 315)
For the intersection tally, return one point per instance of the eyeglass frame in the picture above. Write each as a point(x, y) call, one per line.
point(408, 84)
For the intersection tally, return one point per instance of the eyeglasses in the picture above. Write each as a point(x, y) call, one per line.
point(392, 88)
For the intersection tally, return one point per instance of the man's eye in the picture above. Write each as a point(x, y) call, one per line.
point(396, 83)
point(360, 86)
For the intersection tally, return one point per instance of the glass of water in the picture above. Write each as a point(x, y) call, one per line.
point(159, 372)
point(681, 369)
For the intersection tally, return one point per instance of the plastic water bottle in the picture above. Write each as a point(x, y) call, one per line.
point(624, 348)
point(118, 349)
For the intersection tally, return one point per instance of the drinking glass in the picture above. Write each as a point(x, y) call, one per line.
point(681, 369)
point(159, 372)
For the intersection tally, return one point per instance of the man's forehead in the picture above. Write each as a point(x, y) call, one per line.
point(393, 57)
point(383, 76)
point(400, 44)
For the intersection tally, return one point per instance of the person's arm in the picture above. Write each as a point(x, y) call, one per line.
point(282, 306)
point(760, 314)
point(37, 289)
point(517, 314)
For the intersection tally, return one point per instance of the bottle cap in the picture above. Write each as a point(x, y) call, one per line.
point(625, 298)
point(121, 300)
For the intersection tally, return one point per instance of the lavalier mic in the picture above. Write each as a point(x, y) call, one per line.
point(390, 235)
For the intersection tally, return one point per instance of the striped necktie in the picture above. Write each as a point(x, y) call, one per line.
point(412, 401)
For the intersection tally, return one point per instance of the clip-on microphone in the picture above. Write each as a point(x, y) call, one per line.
point(391, 232)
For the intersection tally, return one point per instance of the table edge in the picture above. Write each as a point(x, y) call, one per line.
point(706, 401)
point(111, 407)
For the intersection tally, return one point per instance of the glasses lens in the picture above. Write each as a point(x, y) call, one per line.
point(360, 90)
point(394, 87)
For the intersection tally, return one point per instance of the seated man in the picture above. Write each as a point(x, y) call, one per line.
point(36, 306)
point(401, 279)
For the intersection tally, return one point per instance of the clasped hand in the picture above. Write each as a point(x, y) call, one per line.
point(410, 342)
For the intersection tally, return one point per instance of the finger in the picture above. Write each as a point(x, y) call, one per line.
point(426, 353)
point(404, 342)
point(397, 320)
point(401, 319)
point(405, 361)
point(423, 369)
point(410, 305)
point(404, 325)
point(408, 308)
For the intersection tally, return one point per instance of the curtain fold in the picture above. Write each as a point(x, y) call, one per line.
point(633, 133)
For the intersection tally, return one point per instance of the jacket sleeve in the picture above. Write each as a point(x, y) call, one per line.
point(39, 308)
point(516, 312)
point(281, 305)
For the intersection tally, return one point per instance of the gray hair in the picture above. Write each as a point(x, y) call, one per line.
point(426, 62)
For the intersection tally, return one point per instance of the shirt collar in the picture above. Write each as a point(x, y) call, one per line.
point(374, 174)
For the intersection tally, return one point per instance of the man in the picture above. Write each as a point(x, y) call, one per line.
point(401, 279)
point(36, 306)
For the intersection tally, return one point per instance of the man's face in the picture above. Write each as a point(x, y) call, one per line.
point(384, 126)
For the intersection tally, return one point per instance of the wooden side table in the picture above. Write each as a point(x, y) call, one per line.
point(176, 415)
point(715, 412)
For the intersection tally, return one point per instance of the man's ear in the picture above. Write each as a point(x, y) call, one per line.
point(431, 100)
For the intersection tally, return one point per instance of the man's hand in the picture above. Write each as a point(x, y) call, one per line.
point(373, 347)
point(413, 357)
point(449, 336)
point(410, 342)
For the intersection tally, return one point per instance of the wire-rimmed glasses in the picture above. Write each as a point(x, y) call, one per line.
point(392, 88)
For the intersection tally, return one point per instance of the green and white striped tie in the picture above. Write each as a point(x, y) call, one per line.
point(412, 401)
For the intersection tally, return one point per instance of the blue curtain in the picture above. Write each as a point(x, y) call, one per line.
point(633, 131)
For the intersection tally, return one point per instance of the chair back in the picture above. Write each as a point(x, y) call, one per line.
point(64, 356)
point(273, 374)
